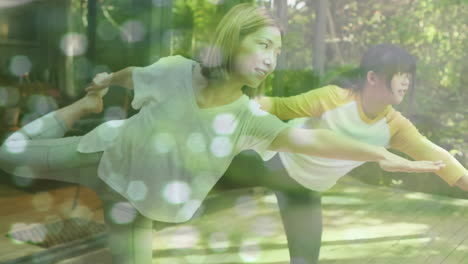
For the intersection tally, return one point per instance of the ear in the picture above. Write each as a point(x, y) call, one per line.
point(371, 78)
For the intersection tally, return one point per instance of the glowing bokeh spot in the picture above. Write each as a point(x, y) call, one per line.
point(34, 127)
point(184, 237)
point(24, 178)
point(250, 251)
point(225, 124)
point(42, 201)
point(265, 226)
point(221, 147)
point(133, 31)
point(20, 65)
point(191, 209)
point(245, 206)
point(177, 192)
point(106, 31)
point(254, 107)
point(196, 142)
point(137, 190)
point(164, 142)
point(74, 44)
point(123, 213)
point(115, 113)
point(115, 123)
point(219, 242)
point(16, 143)
point(82, 212)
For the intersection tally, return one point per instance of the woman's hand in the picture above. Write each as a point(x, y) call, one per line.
point(100, 84)
point(395, 163)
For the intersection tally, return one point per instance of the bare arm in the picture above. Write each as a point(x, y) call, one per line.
point(328, 144)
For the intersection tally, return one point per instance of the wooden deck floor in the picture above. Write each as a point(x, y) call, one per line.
point(362, 224)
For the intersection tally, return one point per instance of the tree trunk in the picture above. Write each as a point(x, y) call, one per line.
point(319, 51)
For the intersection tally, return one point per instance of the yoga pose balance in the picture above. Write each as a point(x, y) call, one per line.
point(359, 108)
point(159, 164)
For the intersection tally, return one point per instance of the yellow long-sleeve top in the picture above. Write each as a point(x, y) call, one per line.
point(339, 109)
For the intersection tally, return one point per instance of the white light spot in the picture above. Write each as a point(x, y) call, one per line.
point(115, 123)
point(225, 124)
point(24, 176)
point(164, 142)
point(115, 113)
point(185, 237)
point(219, 242)
point(123, 213)
point(133, 31)
point(196, 142)
point(189, 209)
point(74, 44)
point(250, 251)
point(42, 201)
point(34, 127)
point(221, 146)
point(245, 206)
point(20, 65)
point(254, 107)
point(16, 143)
point(177, 192)
point(265, 226)
point(137, 190)
point(82, 212)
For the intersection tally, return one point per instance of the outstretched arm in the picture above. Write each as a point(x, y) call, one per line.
point(408, 140)
point(423, 149)
point(328, 144)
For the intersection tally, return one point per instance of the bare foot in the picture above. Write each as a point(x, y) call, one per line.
point(92, 103)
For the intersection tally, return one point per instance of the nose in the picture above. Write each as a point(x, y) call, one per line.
point(270, 62)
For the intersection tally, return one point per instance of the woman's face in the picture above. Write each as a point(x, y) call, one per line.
point(256, 57)
point(400, 84)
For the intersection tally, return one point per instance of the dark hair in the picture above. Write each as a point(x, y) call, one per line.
point(385, 60)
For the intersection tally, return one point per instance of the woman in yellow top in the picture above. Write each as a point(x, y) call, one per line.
point(360, 109)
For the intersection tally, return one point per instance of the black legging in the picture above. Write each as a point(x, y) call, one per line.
point(300, 207)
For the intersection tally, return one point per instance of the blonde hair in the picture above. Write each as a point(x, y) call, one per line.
point(240, 21)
